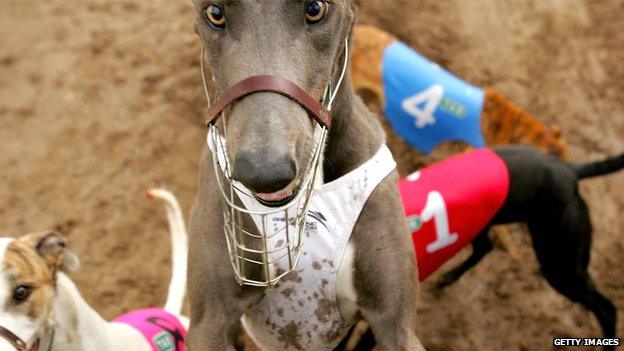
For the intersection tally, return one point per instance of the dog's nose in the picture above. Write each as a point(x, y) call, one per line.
point(264, 172)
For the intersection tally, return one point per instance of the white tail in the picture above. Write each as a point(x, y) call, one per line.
point(179, 250)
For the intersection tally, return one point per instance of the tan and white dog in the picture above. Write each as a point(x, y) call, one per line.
point(42, 309)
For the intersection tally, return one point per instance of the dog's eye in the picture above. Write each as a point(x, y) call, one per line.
point(316, 11)
point(215, 16)
point(21, 293)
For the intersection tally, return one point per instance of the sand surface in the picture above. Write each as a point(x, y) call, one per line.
point(99, 101)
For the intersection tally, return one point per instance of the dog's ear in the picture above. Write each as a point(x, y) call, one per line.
point(50, 245)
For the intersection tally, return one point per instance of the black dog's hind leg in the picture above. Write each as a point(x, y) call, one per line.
point(562, 242)
point(580, 288)
point(481, 246)
point(604, 310)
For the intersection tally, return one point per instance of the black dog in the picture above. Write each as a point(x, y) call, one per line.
point(543, 193)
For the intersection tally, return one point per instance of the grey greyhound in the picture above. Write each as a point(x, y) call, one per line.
point(270, 142)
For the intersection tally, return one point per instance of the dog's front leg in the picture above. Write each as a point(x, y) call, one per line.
point(385, 275)
point(217, 301)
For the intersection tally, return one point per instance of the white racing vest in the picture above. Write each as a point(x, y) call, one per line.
point(301, 313)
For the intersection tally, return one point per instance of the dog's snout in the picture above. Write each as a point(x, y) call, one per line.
point(263, 171)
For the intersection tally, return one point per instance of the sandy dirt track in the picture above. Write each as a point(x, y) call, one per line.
point(99, 101)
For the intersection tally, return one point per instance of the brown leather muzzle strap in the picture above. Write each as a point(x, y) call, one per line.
point(268, 83)
point(19, 344)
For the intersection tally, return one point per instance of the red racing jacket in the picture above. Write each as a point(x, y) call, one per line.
point(449, 203)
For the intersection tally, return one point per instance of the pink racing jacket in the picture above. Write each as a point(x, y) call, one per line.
point(162, 330)
point(449, 203)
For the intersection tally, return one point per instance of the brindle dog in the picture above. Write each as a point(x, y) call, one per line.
point(270, 141)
